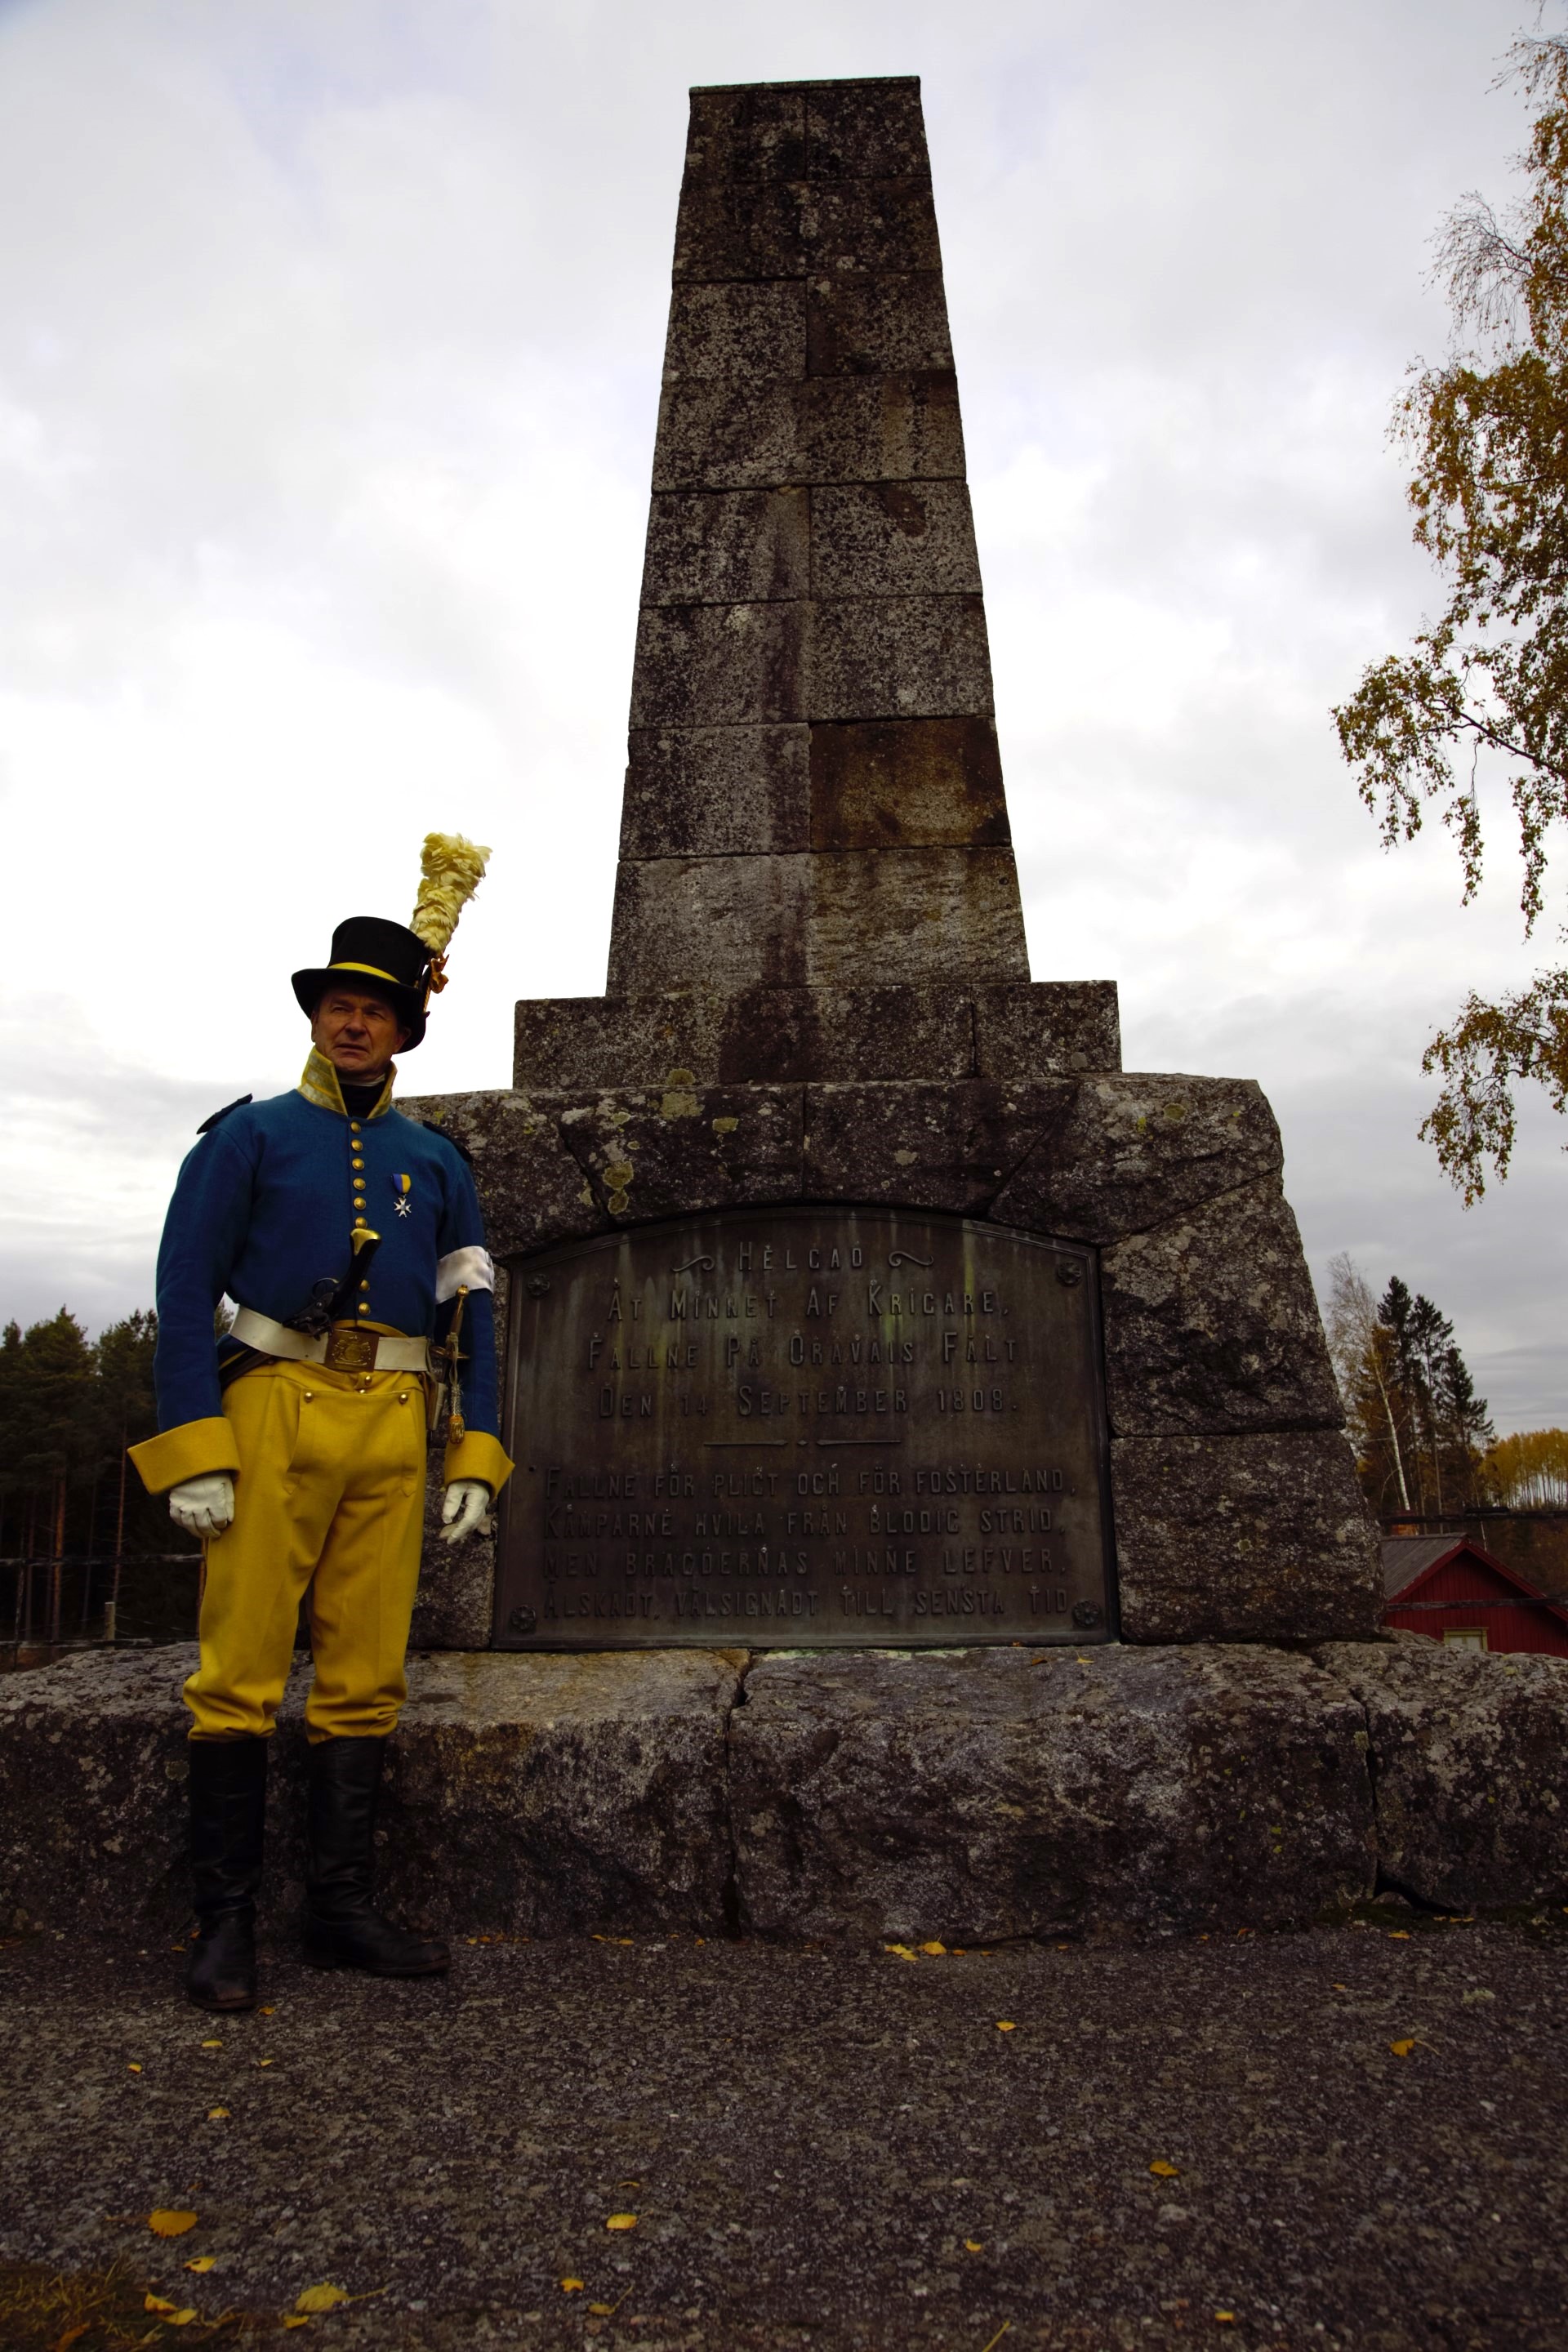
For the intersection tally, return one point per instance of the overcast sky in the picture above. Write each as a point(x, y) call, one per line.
point(329, 339)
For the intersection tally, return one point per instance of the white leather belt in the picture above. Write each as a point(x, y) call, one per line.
point(344, 1348)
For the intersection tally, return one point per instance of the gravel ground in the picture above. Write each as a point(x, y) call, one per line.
point(1360, 2137)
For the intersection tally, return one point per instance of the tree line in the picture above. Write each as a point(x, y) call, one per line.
point(1424, 1440)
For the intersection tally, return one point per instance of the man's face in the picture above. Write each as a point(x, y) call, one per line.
point(357, 1031)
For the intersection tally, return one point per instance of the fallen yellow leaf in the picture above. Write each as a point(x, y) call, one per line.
point(166, 2223)
point(574, 2287)
point(1166, 2171)
point(1006, 2025)
point(296, 2319)
point(157, 2302)
point(268, 2012)
point(218, 2114)
point(264, 2061)
point(183, 2318)
point(899, 1951)
point(201, 2261)
point(212, 2045)
point(132, 2067)
point(975, 2245)
point(1401, 2049)
point(935, 1949)
point(603, 2310)
point(622, 2222)
point(1399, 1935)
point(1226, 2319)
point(321, 2299)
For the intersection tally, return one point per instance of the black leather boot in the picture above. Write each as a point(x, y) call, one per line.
point(341, 1930)
point(228, 1820)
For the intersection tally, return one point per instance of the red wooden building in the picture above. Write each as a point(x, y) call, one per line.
point(1452, 1589)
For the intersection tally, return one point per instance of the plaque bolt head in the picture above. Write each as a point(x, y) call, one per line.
point(537, 1284)
point(1069, 1274)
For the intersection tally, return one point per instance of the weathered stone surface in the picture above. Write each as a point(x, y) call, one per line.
point(716, 792)
point(1140, 1150)
point(751, 436)
point(778, 1036)
point(887, 325)
point(719, 664)
point(897, 657)
point(1024, 1028)
point(1211, 1323)
point(907, 782)
point(538, 1794)
point(753, 131)
point(931, 1147)
point(893, 538)
point(742, 229)
point(861, 226)
point(531, 1187)
point(979, 1794)
point(1470, 1756)
point(872, 128)
point(733, 334)
point(894, 915)
point(1261, 1538)
point(660, 1155)
point(763, 228)
point(728, 547)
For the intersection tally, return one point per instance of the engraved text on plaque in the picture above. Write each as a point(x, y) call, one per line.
point(799, 1428)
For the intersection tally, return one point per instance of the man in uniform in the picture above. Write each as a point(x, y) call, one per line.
point(351, 1239)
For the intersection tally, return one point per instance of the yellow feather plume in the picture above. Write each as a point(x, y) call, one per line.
point(451, 869)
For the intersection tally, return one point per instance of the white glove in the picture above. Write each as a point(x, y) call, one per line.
point(203, 1506)
point(468, 1501)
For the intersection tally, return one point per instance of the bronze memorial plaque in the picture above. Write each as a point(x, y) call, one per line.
point(805, 1428)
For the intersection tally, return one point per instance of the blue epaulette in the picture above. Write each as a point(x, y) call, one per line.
point(219, 1116)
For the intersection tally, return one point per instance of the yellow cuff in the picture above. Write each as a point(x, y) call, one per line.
point(194, 1449)
point(477, 1455)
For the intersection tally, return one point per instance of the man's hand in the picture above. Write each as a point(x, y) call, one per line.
point(468, 1501)
point(203, 1506)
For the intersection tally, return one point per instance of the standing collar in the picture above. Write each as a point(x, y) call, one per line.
point(320, 1086)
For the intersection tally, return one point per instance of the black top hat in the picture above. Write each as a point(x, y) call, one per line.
point(383, 959)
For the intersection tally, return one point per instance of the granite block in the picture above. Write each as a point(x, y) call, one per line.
point(1046, 1025)
point(1140, 1150)
point(1212, 1324)
point(716, 792)
point(752, 435)
point(738, 333)
point(968, 1796)
point(831, 920)
point(892, 324)
point(537, 1794)
point(907, 783)
point(1254, 1538)
point(892, 539)
point(776, 1035)
point(1470, 1778)
point(728, 547)
point(861, 226)
point(661, 1154)
point(866, 129)
point(929, 1146)
point(719, 664)
point(740, 229)
point(531, 1186)
point(716, 924)
point(751, 132)
point(897, 657)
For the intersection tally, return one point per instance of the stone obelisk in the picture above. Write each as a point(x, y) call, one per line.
point(820, 1046)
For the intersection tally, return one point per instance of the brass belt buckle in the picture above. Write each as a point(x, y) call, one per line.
point(349, 1350)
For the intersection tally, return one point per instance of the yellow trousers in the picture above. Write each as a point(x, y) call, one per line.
point(329, 1500)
